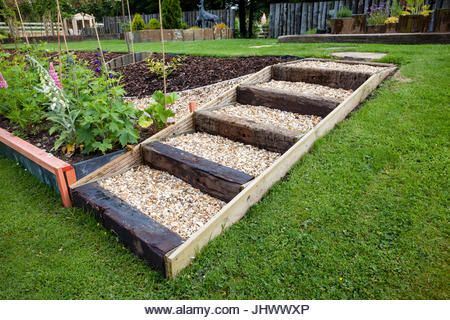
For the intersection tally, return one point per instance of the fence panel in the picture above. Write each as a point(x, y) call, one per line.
point(298, 18)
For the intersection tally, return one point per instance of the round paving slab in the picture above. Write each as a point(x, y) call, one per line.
point(359, 56)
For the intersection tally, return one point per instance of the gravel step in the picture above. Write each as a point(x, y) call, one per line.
point(236, 155)
point(307, 88)
point(273, 117)
point(168, 200)
point(331, 65)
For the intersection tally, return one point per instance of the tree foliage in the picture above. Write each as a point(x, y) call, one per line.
point(171, 12)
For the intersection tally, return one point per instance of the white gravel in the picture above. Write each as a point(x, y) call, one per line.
point(273, 117)
point(200, 95)
point(307, 88)
point(236, 155)
point(170, 201)
point(360, 68)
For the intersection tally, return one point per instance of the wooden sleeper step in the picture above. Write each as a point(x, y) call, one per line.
point(245, 131)
point(326, 77)
point(284, 101)
point(219, 181)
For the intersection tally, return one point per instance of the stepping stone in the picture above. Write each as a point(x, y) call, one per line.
point(360, 56)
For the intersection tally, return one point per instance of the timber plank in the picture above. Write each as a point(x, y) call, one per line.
point(212, 178)
point(285, 101)
point(325, 77)
point(147, 238)
point(246, 131)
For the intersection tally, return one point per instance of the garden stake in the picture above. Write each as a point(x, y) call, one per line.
point(60, 20)
point(163, 49)
point(21, 21)
point(131, 32)
point(100, 46)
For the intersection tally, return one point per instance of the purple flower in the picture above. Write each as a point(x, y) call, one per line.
point(54, 75)
point(111, 76)
point(96, 61)
point(98, 69)
point(3, 83)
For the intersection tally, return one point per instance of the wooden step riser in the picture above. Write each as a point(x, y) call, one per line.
point(219, 181)
point(330, 78)
point(284, 101)
point(245, 131)
point(147, 238)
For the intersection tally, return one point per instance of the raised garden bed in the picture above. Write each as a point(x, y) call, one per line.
point(206, 151)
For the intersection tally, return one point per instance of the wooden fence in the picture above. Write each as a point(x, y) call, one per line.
point(298, 18)
point(116, 24)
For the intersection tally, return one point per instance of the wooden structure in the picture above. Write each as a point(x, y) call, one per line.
point(298, 18)
point(180, 35)
point(387, 38)
point(41, 164)
point(160, 247)
point(227, 16)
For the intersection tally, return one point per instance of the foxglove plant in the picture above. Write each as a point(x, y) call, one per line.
point(3, 83)
point(60, 115)
point(54, 75)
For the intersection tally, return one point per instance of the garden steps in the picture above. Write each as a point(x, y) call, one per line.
point(217, 180)
point(191, 150)
point(297, 102)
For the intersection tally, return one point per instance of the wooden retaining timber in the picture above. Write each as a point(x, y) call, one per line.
point(386, 38)
point(193, 168)
point(326, 77)
point(41, 160)
point(248, 132)
point(299, 103)
point(214, 179)
point(147, 238)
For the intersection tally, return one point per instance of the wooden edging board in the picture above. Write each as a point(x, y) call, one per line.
point(233, 211)
point(63, 172)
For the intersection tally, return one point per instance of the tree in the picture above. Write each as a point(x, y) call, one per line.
point(171, 13)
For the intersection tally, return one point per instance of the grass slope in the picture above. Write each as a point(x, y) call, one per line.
point(364, 215)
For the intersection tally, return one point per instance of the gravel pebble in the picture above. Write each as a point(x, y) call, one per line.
point(200, 95)
point(361, 68)
point(236, 155)
point(170, 201)
point(273, 117)
point(308, 88)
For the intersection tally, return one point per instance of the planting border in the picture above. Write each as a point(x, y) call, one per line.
point(36, 160)
point(181, 256)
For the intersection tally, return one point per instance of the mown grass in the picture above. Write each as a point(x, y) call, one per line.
point(364, 215)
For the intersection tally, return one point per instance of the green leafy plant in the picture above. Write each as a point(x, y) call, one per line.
point(138, 23)
point(153, 24)
point(158, 113)
point(311, 31)
point(377, 16)
point(157, 66)
point(396, 8)
point(20, 103)
point(171, 13)
point(344, 12)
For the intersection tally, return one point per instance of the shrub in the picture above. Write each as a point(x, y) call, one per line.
point(157, 66)
point(171, 12)
point(396, 8)
point(311, 31)
point(184, 25)
point(138, 23)
point(344, 12)
point(153, 24)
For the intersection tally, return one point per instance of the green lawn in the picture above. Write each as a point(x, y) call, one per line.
point(364, 215)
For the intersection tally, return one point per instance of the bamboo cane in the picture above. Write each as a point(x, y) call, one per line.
point(21, 21)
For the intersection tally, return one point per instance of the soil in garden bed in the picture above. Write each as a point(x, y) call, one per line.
point(194, 72)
